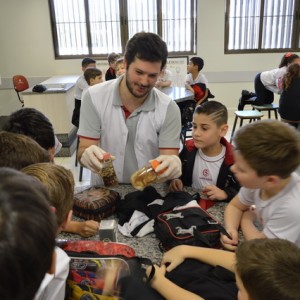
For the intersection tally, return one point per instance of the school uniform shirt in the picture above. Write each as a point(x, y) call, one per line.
point(270, 79)
point(225, 178)
point(80, 85)
point(278, 216)
point(134, 140)
point(201, 78)
point(53, 287)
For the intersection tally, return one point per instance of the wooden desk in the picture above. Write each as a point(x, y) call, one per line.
point(57, 103)
point(178, 94)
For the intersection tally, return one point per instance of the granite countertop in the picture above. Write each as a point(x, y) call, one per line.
point(52, 88)
point(147, 246)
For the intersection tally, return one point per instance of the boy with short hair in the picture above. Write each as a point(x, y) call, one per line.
point(18, 151)
point(111, 73)
point(264, 269)
point(266, 155)
point(59, 184)
point(195, 76)
point(27, 239)
point(33, 123)
point(81, 85)
point(93, 76)
point(207, 157)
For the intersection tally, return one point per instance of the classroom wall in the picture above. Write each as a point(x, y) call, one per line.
point(26, 48)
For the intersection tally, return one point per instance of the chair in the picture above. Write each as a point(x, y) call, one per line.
point(250, 115)
point(267, 107)
point(20, 84)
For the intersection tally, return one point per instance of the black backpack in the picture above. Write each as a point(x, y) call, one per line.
point(211, 283)
point(186, 226)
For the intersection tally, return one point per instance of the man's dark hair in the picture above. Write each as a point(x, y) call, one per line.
point(146, 46)
point(86, 61)
point(33, 123)
point(197, 61)
point(27, 235)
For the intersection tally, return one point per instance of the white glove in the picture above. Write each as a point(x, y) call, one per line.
point(170, 165)
point(92, 157)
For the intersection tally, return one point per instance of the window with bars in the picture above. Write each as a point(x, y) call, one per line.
point(98, 27)
point(262, 26)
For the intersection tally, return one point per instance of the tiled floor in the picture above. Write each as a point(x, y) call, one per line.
point(69, 162)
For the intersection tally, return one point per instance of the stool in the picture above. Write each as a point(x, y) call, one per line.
point(267, 107)
point(245, 115)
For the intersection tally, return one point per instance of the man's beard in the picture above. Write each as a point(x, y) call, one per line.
point(130, 87)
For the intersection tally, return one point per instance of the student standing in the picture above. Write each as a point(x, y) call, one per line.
point(80, 85)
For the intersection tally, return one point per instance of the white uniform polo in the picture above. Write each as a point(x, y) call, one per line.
point(154, 125)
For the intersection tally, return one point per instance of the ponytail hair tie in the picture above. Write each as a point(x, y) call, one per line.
point(289, 54)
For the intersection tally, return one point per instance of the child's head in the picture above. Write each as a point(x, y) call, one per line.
point(33, 123)
point(196, 63)
point(293, 71)
point(288, 58)
point(88, 63)
point(112, 58)
point(268, 269)
point(59, 183)
point(18, 151)
point(209, 124)
point(93, 76)
point(120, 67)
point(265, 148)
point(27, 235)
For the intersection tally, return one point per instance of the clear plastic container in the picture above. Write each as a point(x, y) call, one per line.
point(108, 173)
point(146, 175)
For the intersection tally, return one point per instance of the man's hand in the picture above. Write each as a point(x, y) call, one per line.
point(91, 158)
point(170, 165)
point(176, 185)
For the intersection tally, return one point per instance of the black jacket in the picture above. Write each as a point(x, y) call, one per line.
point(226, 180)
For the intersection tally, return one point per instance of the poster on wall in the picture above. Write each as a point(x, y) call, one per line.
point(178, 68)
